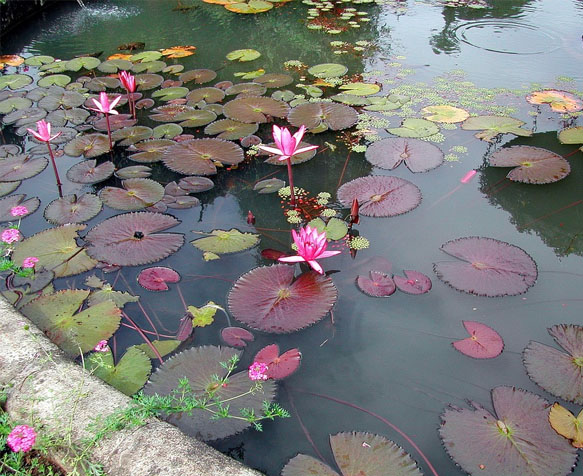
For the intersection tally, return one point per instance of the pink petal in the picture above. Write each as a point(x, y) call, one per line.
point(271, 150)
point(327, 254)
point(114, 102)
point(276, 134)
point(305, 149)
point(315, 266)
point(291, 259)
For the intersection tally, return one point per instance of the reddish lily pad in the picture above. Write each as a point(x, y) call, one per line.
point(199, 76)
point(195, 184)
point(229, 129)
point(483, 343)
point(236, 336)
point(414, 283)
point(314, 115)
point(131, 135)
point(196, 118)
point(117, 121)
point(380, 196)
point(378, 285)
point(151, 150)
point(558, 372)
point(278, 366)
point(255, 109)
point(89, 145)
point(65, 100)
point(516, 440)
point(133, 239)
point(560, 101)
point(486, 267)
point(102, 83)
point(274, 80)
point(136, 194)
point(60, 117)
point(134, 171)
point(73, 209)
point(269, 299)
point(157, 277)
point(197, 157)
point(533, 164)
point(21, 167)
point(208, 95)
point(8, 203)
point(169, 112)
point(89, 172)
point(246, 89)
point(418, 155)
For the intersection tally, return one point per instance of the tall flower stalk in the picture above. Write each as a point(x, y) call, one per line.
point(287, 147)
point(105, 107)
point(43, 134)
point(128, 81)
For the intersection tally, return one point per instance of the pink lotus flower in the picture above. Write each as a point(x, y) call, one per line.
point(21, 438)
point(311, 246)
point(29, 262)
point(10, 235)
point(257, 371)
point(103, 105)
point(101, 346)
point(286, 143)
point(18, 211)
point(128, 81)
point(44, 131)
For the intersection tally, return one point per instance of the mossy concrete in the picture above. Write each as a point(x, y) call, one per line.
point(61, 398)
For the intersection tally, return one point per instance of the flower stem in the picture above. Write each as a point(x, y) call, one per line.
point(59, 184)
point(291, 181)
point(108, 132)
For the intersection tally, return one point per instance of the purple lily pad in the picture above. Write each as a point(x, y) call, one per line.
point(197, 156)
point(229, 129)
point(483, 343)
point(246, 89)
point(73, 209)
point(312, 115)
point(414, 283)
point(116, 122)
point(21, 167)
point(151, 150)
point(418, 155)
point(516, 440)
point(133, 239)
point(278, 366)
point(170, 112)
point(181, 202)
point(269, 299)
point(8, 203)
point(200, 365)
point(486, 267)
point(533, 164)
point(378, 285)
point(209, 95)
point(195, 184)
point(89, 145)
point(89, 172)
point(145, 103)
point(136, 194)
point(131, 135)
point(199, 76)
point(255, 109)
point(134, 171)
point(558, 372)
point(274, 80)
point(155, 278)
point(236, 336)
point(380, 195)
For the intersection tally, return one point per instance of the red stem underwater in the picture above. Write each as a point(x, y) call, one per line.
point(59, 184)
point(291, 182)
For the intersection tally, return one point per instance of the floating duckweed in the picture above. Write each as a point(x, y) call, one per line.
point(311, 26)
point(358, 148)
point(350, 9)
point(334, 81)
point(400, 57)
point(293, 64)
point(439, 137)
point(328, 213)
point(359, 243)
point(395, 65)
point(358, 48)
point(338, 52)
point(565, 79)
point(333, 32)
point(362, 43)
point(451, 158)
point(448, 126)
point(336, 43)
point(294, 247)
point(355, 25)
point(460, 149)
point(324, 196)
point(364, 19)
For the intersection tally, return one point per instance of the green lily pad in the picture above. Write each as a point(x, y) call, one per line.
point(335, 229)
point(350, 99)
point(360, 89)
point(387, 103)
point(24, 117)
point(164, 347)
point(491, 126)
point(572, 135)
point(54, 68)
point(128, 376)
point(106, 293)
point(199, 76)
point(203, 316)
point(412, 127)
point(15, 81)
point(115, 65)
point(312, 91)
point(14, 104)
point(274, 80)
point(65, 100)
point(75, 332)
point(60, 117)
point(447, 114)
point(250, 74)
point(252, 7)
point(39, 60)
point(229, 129)
point(328, 70)
point(134, 171)
point(243, 55)
point(149, 67)
point(222, 241)
point(136, 194)
point(83, 62)
point(246, 89)
point(269, 185)
point(73, 209)
point(146, 56)
point(54, 79)
point(169, 131)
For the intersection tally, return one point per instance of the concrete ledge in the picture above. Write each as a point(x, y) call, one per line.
point(64, 399)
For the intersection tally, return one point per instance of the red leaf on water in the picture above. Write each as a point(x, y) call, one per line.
point(378, 285)
point(278, 366)
point(483, 343)
point(414, 283)
point(236, 336)
point(155, 278)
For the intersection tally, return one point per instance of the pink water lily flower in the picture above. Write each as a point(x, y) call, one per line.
point(103, 105)
point(286, 143)
point(44, 131)
point(128, 81)
point(311, 246)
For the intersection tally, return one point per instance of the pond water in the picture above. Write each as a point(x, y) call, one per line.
point(390, 356)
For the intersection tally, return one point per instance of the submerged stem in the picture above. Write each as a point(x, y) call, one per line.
point(291, 181)
point(59, 184)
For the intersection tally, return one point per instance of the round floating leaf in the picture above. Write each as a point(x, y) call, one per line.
point(269, 185)
point(255, 109)
point(128, 376)
point(236, 336)
point(133, 239)
point(147, 81)
point(199, 76)
point(145, 56)
point(55, 67)
point(168, 94)
point(246, 89)
point(74, 332)
point(388, 103)
point(360, 89)
point(571, 135)
point(169, 112)
point(335, 228)
point(114, 65)
point(39, 60)
point(269, 299)
point(483, 343)
point(164, 347)
point(102, 83)
point(274, 80)
point(149, 67)
point(8, 203)
point(380, 196)
point(8, 187)
point(24, 117)
point(57, 250)
point(414, 283)
point(533, 164)
point(85, 62)
point(134, 171)
point(38, 281)
point(54, 79)
point(243, 55)
point(201, 366)
point(567, 425)
point(195, 184)
point(278, 366)
point(222, 241)
point(378, 285)
point(21, 167)
point(14, 104)
point(89, 145)
point(229, 129)
point(446, 114)
point(208, 95)
point(560, 101)
point(350, 99)
point(131, 135)
point(182, 202)
point(73, 209)
point(197, 157)
point(60, 117)
point(155, 278)
point(89, 172)
point(167, 130)
point(196, 118)
point(313, 115)
point(412, 127)
point(419, 156)
point(558, 372)
point(251, 7)
point(7, 150)
point(15, 81)
point(486, 267)
point(116, 122)
point(491, 126)
point(136, 194)
point(151, 150)
point(516, 440)
point(328, 70)
point(179, 51)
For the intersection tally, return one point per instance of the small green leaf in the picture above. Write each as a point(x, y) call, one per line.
point(128, 376)
point(222, 241)
point(361, 89)
point(146, 56)
point(164, 347)
point(412, 127)
point(203, 316)
point(243, 55)
point(335, 229)
point(328, 70)
point(54, 79)
point(572, 135)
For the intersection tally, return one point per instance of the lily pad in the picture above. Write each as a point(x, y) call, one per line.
point(328, 70)
point(335, 228)
point(571, 135)
point(130, 135)
point(313, 115)
point(199, 76)
point(380, 196)
point(269, 299)
point(73, 209)
point(168, 94)
point(414, 282)
point(75, 332)
point(558, 372)
point(250, 7)
point(236, 336)
point(255, 109)
point(351, 99)
point(60, 117)
point(134, 171)
point(134, 239)
point(181, 202)
point(486, 267)
point(102, 83)
point(136, 194)
point(8, 187)
point(38, 60)
point(360, 89)
point(269, 185)
point(24, 117)
point(15, 81)
point(222, 241)
point(491, 126)
point(164, 347)
point(114, 65)
point(21, 167)
point(88, 172)
point(201, 366)
point(387, 103)
point(246, 89)
point(149, 67)
point(243, 55)
point(418, 155)
point(14, 104)
point(169, 112)
point(83, 62)
point(446, 114)
point(147, 81)
point(379, 284)
point(151, 150)
point(8, 203)
point(208, 95)
point(566, 424)
point(196, 118)
point(88, 145)
point(169, 131)
point(197, 157)
point(179, 51)
point(155, 278)
point(413, 127)
point(128, 376)
point(483, 343)
point(274, 80)
point(116, 122)
point(54, 79)
point(516, 440)
point(560, 101)
point(195, 184)
point(278, 366)
point(229, 129)
point(533, 164)
point(145, 56)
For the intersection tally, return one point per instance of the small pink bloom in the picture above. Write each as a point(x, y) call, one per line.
point(18, 211)
point(10, 235)
point(311, 246)
point(21, 438)
point(29, 262)
point(286, 143)
point(257, 371)
point(103, 105)
point(44, 131)
point(469, 176)
point(128, 81)
point(101, 346)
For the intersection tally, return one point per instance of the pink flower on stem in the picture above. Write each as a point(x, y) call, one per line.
point(105, 107)
point(287, 147)
point(29, 262)
point(128, 81)
point(18, 211)
point(101, 346)
point(21, 438)
point(10, 235)
point(311, 246)
point(44, 135)
point(257, 371)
